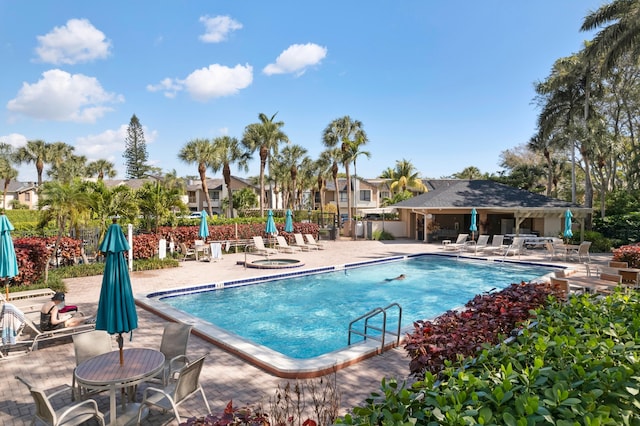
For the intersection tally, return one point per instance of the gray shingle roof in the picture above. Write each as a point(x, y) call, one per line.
point(480, 193)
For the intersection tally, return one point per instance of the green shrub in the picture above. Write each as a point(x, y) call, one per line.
point(155, 263)
point(599, 243)
point(380, 235)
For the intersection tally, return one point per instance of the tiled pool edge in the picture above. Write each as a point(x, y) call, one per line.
point(267, 359)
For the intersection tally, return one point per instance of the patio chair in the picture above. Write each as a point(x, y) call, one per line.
point(460, 243)
point(551, 250)
point(311, 242)
point(68, 415)
point(616, 264)
point(187, 252)
point(86, 346)
point(582, 252)
point(299, 242)
point(258, 242)
point(173, 345)
point(282, 245)
point(170, 397)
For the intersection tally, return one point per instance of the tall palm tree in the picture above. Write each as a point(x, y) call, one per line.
point(64, 202)
point(346, 132)
point(7, 171)
point(322, 168)
point(406, 177)
point(352, 152)
point(102, 168)
point(228, 151)
point(265, 137)
point(202, 153)
point(621, 36)
point(36, 152)
point(293, 155)
point(72, 167)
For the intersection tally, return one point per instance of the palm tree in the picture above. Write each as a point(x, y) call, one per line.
point(202, 153)
point(322, 167)
point(102, 167)
point(406, 177)
point(37, 152)
point(157, 202)
point(72, 167)
point(265, 137)
point(621, 36)
point(64, 202)
point(293, 155)
point(7, 171)
point(108, 202)
point(228, 151)
point(348, 133)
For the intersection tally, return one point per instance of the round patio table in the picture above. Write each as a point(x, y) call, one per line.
point(105, 371)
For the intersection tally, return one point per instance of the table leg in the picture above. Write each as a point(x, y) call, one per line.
point(112, 406)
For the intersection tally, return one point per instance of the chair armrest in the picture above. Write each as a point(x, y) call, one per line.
point(58, 392)
point(74, 407)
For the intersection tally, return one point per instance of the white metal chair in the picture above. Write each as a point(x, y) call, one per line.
point(85, 346)
point(460, 243)
point(171, 396)
point(173, 346)
point(68, 415)
point(312, 242)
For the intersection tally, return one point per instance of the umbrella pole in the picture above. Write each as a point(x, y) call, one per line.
point(6, 290)
point(120, 345)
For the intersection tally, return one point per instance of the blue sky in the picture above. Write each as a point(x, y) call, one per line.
point(445, 85)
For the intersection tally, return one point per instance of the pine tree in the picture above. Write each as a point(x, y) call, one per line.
point(135, 152)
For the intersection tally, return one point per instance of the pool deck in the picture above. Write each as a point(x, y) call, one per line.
point(225, 377)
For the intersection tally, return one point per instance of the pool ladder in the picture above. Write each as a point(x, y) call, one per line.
point(367, 327)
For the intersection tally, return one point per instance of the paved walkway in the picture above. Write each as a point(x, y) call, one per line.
point(224, 377)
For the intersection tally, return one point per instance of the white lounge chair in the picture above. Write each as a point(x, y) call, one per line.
point(516, 247)
point(497, 245)
point(299, 242)
point(460, 243)
point(258, 242)
point(478, 245)
point(283, 246)
point(311, 242)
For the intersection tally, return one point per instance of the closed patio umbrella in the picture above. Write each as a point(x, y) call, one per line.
point(270, 229)
point(116, 307)
point(474, 219)
point(204, 227)
point(8, 260)
point(288, 224)
point(567, 224)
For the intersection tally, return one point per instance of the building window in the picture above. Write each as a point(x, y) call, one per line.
point(365, 195)
point(384, 194)
point(27, 196)
point(192, 197)
point(215, 196)
point(343, 196)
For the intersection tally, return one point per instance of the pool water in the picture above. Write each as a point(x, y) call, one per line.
point(304, 317)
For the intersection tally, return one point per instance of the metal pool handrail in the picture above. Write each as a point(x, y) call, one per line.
point(371, 314)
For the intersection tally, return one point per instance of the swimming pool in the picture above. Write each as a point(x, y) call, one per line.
point(304, 319)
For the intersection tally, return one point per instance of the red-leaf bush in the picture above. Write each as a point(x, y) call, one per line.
point(33, 255)
point(487, 319)
point(629, 254)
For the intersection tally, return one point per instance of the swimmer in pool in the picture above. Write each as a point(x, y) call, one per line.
point(399, 277)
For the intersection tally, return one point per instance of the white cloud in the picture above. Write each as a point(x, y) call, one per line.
point(61, 96)
point(78, 41)
point(16, 140)
point(296, 58)
point(218, 28)
point(215, 81)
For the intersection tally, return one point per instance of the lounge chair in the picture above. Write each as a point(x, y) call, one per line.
point(516, 247)
point(460, 243)
point(187, 252)
point(258, 242)
point(69, 415)
point(311, 242)
point(283, 246)
point(41, 336)
point(478, 245)
point(28, 300)
point(497, 245)
point(171, 396)
point(299, 242)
